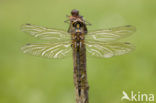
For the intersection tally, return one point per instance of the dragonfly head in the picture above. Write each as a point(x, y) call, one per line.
point(75, 13)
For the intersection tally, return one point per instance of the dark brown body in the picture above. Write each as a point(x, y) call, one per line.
point(78, 31)
point(80, 75)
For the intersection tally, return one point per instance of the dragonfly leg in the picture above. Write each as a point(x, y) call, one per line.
point(87, 23)
point(67, 21)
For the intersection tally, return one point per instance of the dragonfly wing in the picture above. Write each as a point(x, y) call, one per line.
point(45, 33)
point(112, 34)
point(50, 50)
point(107, 50)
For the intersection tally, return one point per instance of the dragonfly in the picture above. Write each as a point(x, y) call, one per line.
point(77, 41)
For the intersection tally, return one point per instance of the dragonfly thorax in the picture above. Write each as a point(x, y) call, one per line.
point(78, 33)
point(77, 24)
point(78, 36)
point(78, 27)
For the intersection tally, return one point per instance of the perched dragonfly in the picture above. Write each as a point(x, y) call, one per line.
point(100, 43)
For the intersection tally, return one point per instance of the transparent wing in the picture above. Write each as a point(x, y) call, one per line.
point(107, 50)
point(45, 33)
point(111, 34)
point(50, 50)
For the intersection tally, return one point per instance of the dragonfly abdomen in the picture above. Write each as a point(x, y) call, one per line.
point(79, 56)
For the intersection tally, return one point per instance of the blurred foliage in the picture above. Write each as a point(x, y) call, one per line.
point(28, 79)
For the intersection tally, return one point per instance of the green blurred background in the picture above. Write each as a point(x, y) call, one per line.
point(29, 79)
